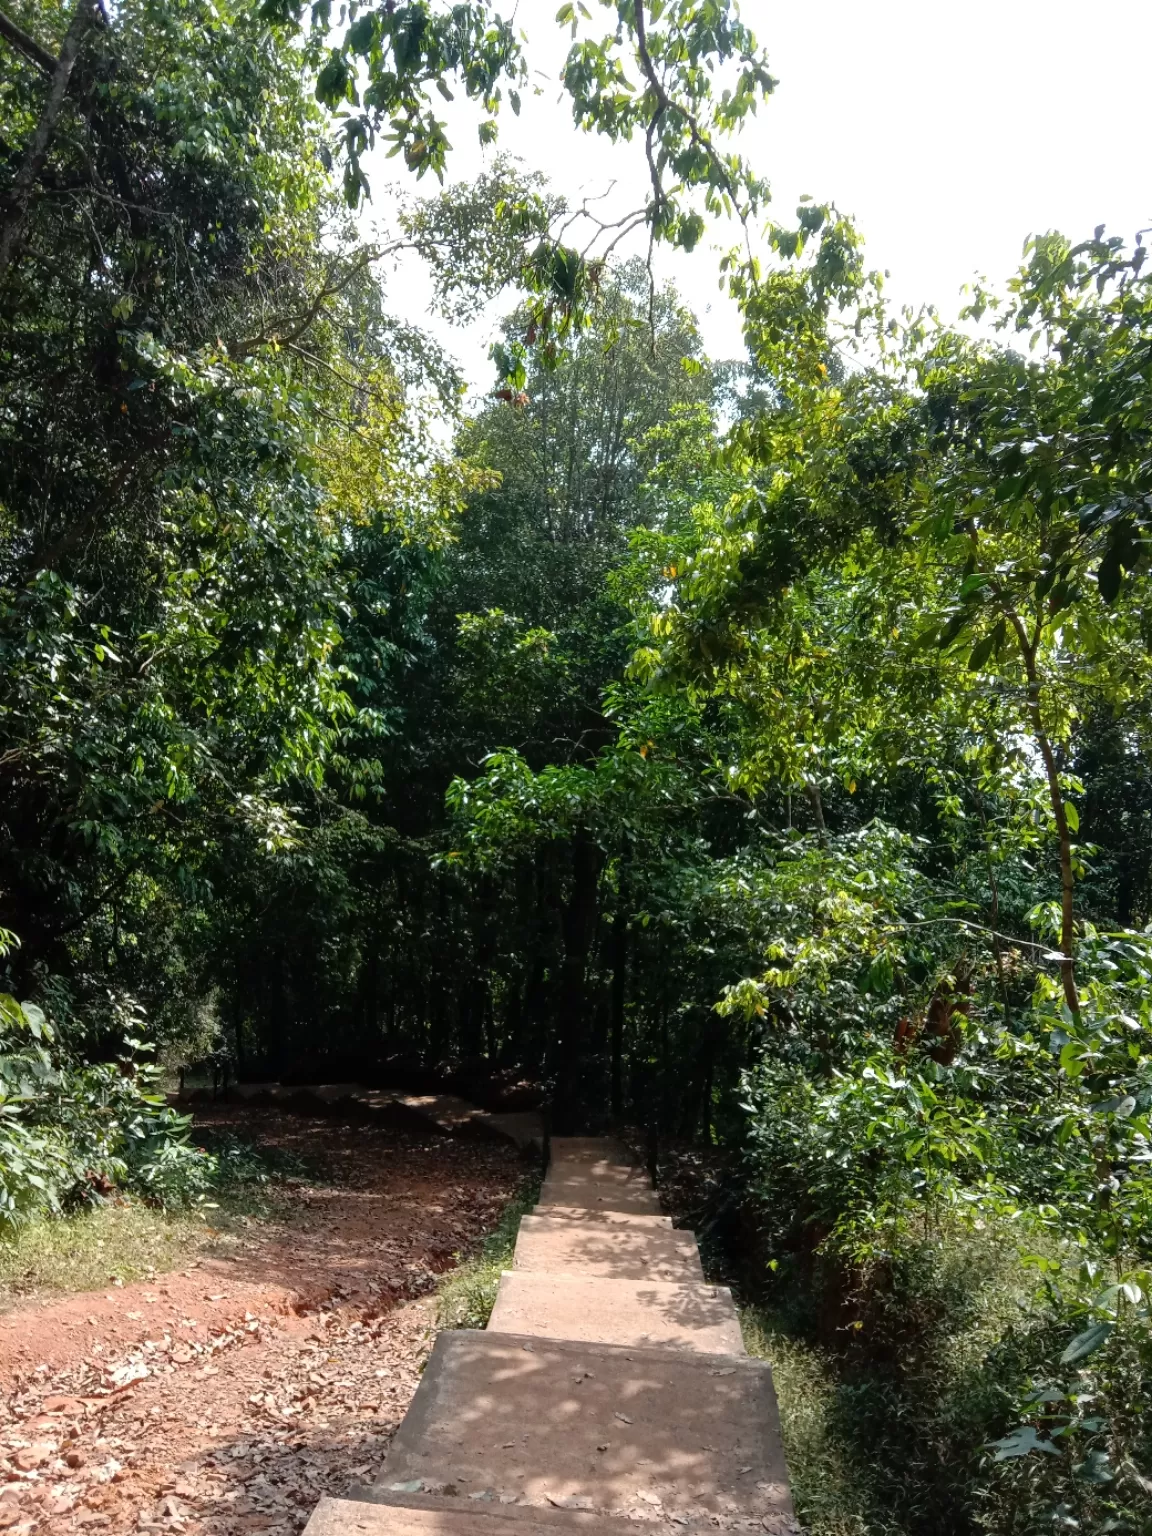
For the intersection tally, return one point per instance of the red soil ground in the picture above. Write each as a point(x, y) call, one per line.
point(227, 1397)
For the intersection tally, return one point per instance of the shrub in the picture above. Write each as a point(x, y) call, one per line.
point(72, 1132)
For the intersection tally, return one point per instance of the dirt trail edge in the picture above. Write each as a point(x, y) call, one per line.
point(229, 1396)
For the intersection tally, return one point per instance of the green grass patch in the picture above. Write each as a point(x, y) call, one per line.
point(830, 1500)
point(126, 1239)
point(884, 1432)
point(468, 1293)
point(107, 1243)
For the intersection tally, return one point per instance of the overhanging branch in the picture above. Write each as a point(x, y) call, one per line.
point(26, 45)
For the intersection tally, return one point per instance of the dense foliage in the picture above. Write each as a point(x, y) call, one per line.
point(753, 752)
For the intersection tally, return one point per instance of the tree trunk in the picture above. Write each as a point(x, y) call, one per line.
point(812, 790)
point(663, 1099)
point(579, 927)
point(16, 210)
point(994, 886)
point(619, 993)
point(370, 992)
point(1055, 795)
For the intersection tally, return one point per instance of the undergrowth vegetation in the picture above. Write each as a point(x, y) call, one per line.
point(108, 1243)
point(73, 1131)
point(889, 1416)
point(120, 1237)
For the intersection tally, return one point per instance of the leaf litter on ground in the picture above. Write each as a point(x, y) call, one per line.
point(241, 1423)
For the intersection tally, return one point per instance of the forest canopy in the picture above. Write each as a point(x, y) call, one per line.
point(750, 752)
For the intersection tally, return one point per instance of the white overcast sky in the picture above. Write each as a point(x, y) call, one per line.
point(949, 131)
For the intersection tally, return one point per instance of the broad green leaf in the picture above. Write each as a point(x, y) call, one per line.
point(981, 652)
point(1087, 1343)
point(1021, 1442)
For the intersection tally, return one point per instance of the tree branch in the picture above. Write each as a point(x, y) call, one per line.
point(663, 102)
point(26, 45)
point(292, 327)
point(13, 216)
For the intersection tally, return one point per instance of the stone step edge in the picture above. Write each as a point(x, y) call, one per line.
point(445, 1503)
point(615, 1202)
point(533, 1343)
point(411, 1427)
point(618, 1293)
point(570, 1277)
point(622, 1228)
point(587, 1213)
point(591, 1146)
point(554, 1517)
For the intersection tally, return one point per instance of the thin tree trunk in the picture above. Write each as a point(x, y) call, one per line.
point(579, 924)
point(370, 991)
point(619, 992)
point(619, 986)
point(1052, 774)
point(16, 211)
point(706, 1090)
point(664, 1116)
point(812, 789)
point(995, 888)
point(26, 45)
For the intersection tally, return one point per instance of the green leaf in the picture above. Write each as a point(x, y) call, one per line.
point(1087, 1343)
point(1072, 1058)
point(981, 652)
point(1021, 1442)
point(37, 1023)
point(1122, 1105)
point(1110, 575)
point(11, 1011)
point(332, 81)
point(952, 629)
point(362, 34)
point(1095, 1468)
point(1071, 816)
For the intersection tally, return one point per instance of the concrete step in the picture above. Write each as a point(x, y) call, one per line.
point(378, 1512)
point(591, 1149)
point(382, 1512)
point(566, 1188)
point(631, 1312)
point(599, 1170)
point(633, 1433)
point(599, 1217)
point(555, 1245)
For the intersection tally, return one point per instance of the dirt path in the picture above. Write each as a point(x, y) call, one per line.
point(228, 1397)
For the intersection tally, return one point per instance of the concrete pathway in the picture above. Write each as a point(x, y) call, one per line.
point(610, 1387)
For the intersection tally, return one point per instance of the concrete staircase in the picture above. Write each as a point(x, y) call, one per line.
point(611, 1387)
